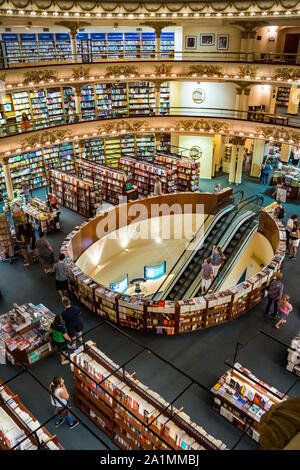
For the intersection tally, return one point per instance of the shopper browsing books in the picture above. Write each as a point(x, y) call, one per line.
point(61, 276)
point(60, 337)
point(71, 316)
point(294, 240)
point(284, 309)
point(207, 275)
point(25, 123)
point(60, 400)
point(288, 228)
point(274, 293)
point(22, 239)
point(157, 186)
point(46, 254)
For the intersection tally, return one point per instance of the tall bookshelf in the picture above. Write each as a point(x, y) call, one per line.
point(17, 422)
point(87, 97)
point(81, 195)
point(21, 104)
point(242, 399)
point(28, 168)
point(167, 45)
point(282, 100)
point(119, 97)
point(148, 45)
point(29, 46)
point(131, 45)
point(227, 157)
point(38, 100)
point(164, 99)
point(94, 150)
point(54, 105)
point(115, 45)
point(124, 408)
point(63, 46)
point(98, 45)
point(103, 99)
point(111, 181)
point(141, 98)
point(46, 47)
point(187, 171)
point(12, 48)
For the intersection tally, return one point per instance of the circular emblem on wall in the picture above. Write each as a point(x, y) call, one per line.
point(198, 95)
point(195, 153)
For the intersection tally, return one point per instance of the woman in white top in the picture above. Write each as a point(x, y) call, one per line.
point(157, 186)
point(60, 400)
point(294, 240)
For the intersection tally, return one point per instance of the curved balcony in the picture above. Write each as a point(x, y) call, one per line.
point(36, 60)
point(201, 121)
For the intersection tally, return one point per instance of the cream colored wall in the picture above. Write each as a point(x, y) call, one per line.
point(175, 97)
point(217, 95)
point(234, 37)
point(260, 95)
point(264, 45)
point(207, 145)
point(258, 251)
point(114, 263)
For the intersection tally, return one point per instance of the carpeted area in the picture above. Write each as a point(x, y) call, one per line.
point(199, 354)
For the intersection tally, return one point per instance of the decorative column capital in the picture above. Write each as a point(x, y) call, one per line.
point(73, 26)
point(158, 26)
point(157, 84)
point(77, 88)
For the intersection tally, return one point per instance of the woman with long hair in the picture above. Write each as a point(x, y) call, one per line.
point(59, 399)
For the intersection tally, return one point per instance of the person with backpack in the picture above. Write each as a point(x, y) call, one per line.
point(274, 293)
point(60, 400)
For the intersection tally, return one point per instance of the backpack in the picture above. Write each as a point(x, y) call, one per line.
point(281, 213)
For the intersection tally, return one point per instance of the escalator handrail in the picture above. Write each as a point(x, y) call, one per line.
point(249, 223)
point(212, 212)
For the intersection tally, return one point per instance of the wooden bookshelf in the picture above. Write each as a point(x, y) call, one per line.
point(242, 399)
point(6, 242)
point(81, 195)
point(12, 407)
point(123, 407)
point(187, 171)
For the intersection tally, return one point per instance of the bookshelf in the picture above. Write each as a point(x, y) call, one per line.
point(144, 173)
point(28, 168)
point(112, 148)
point(145, 145)
point(242, 399)
point(63, 46)
point(148, 45)
point(88, 102)
point(167, 45)
point(187, 171)
point(54, 105)
point(61, 156)
point(98, 45)
point(38, 100)
point(6, 242)
point(80, 195)
point(12, 49)
point(119, 98)
point(131, 45)
point(115, 45)
point(16, 421)
point(141, 98)
point(46, 47)
point(25, 330)
point(122, 407)
point(94, 150)
point(293, 359)
point(83, 47)
point(111, 181)
point(21, 104)
point(282, 99)
point(227, 158)
point(165, 99)
point(29, 46)
point(103, 99)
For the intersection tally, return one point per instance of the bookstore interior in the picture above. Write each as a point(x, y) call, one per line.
point(149, 204)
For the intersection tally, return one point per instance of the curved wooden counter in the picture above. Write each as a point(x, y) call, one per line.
point(169, 317)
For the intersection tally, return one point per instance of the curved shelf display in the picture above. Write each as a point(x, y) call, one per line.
point(169, 317)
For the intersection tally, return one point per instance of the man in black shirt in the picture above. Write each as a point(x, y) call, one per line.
point(72, 320)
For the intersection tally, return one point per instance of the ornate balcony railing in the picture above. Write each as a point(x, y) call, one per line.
point(292, 121)
point(95, 57)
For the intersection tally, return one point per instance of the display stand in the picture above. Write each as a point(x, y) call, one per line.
point(6, 241)
point(41, 216)
point(16, 422)
point(132, 415)
point(25, 330)
point(242, 399)
point(290, 177)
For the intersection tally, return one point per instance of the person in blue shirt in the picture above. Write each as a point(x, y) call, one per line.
point(266, 172)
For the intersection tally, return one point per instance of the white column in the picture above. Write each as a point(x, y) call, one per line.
point(8, 180)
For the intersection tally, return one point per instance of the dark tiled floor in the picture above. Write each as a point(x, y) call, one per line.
point(200, 354)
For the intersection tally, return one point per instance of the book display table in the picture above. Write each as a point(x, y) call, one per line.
point(41, 216)
point(242, 399)
point(16, 422)
point(25, 331)
point(290, 177)
point(130, 413)
point(293, 364)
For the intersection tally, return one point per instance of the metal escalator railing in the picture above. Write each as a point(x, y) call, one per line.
point(193, 270)
point(187, 252)
point(235, 249)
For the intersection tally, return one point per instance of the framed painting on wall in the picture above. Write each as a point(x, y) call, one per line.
point(190, 42)
point(207, 39)
point(223, 42)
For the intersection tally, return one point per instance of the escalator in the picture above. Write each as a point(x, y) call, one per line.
point(227, 231)
point(204, 235)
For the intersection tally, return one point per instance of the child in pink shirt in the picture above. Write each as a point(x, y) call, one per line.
point(284, 309)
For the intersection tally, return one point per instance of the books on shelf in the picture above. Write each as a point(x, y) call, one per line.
point(88, 102)
point(12, 49)
point(293, 359)
point(123, 407)
point(46, 46)
point(6, 242)
point(242, 398)
point(63, 46)
point(187, 170)
point(29, 46)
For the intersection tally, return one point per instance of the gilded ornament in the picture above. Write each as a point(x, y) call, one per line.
point(209, 70)
point(248, 70)
point(163, 68)
point(81, 72)
point(120, 70)
point(38, 76)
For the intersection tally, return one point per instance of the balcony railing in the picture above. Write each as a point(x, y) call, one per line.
point(96, 57)
point(58, 120)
